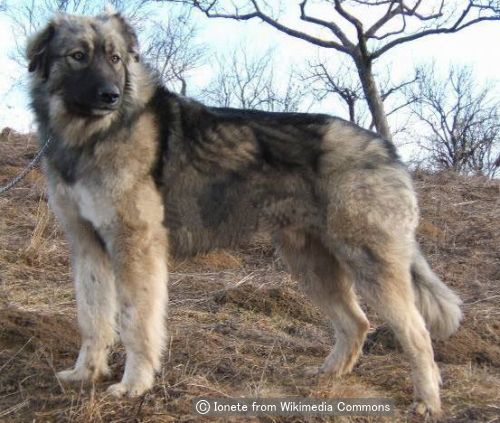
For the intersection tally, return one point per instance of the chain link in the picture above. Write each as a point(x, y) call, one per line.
point(27, 169)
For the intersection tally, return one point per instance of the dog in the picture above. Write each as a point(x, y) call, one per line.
point(137, 173)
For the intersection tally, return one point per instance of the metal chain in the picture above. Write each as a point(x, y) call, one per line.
point(27, 169)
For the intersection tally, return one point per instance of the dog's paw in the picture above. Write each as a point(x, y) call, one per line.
point(83, 375)
point(73, 375)
point(117, 390)
point(426, 410)
point(317, 373)
point(120, 390)
point(312, 372)
point(326, 371)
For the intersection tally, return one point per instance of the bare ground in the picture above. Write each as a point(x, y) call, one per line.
point(238, 324)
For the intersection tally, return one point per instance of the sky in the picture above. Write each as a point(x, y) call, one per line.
point(476, 46)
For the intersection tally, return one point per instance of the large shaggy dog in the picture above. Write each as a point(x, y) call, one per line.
point(137, 173)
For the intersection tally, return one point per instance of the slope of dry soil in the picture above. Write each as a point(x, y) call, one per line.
point(238, 324)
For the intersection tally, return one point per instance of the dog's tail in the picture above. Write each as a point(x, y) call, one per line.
point(439, 305)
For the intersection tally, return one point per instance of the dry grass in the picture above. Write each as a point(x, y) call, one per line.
point(238, 325)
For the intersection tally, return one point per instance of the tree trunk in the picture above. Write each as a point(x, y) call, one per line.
point(352, 110)
point(373, 98)
point(183, 86)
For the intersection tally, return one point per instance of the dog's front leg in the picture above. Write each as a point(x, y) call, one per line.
point(140, 261)
point(95, 291)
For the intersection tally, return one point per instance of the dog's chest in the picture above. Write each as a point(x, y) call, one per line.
point(94, 204)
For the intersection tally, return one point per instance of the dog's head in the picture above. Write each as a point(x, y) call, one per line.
point(84, 62)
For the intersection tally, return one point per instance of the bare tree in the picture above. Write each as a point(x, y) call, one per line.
point(341, 81)
point(171, 48)
point(247, 81)
point(463, 121)
point(394, 22)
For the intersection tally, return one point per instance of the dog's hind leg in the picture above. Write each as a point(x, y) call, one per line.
point(329, 286)
point(95, 297)
point(383, 279)
point(371, 217)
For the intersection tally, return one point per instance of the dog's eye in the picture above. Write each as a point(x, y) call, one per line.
point(78, 56)
point(115, 58)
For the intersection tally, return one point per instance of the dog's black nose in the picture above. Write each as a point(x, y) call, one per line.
point(109, 94)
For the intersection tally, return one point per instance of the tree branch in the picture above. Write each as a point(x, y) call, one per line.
point(391, 13)
point(458, 25)
point(257, 13)
point(330, 25)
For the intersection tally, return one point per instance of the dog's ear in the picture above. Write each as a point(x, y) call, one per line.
point(38, 49)
point(130, 36)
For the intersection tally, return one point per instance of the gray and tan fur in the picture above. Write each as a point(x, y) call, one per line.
point(137, 173)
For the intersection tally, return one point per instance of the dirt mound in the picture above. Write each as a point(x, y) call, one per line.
point(31, 329)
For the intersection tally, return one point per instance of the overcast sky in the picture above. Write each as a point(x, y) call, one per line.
point(477, 46)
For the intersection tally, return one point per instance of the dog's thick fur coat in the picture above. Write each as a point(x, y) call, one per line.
point(151, 174)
